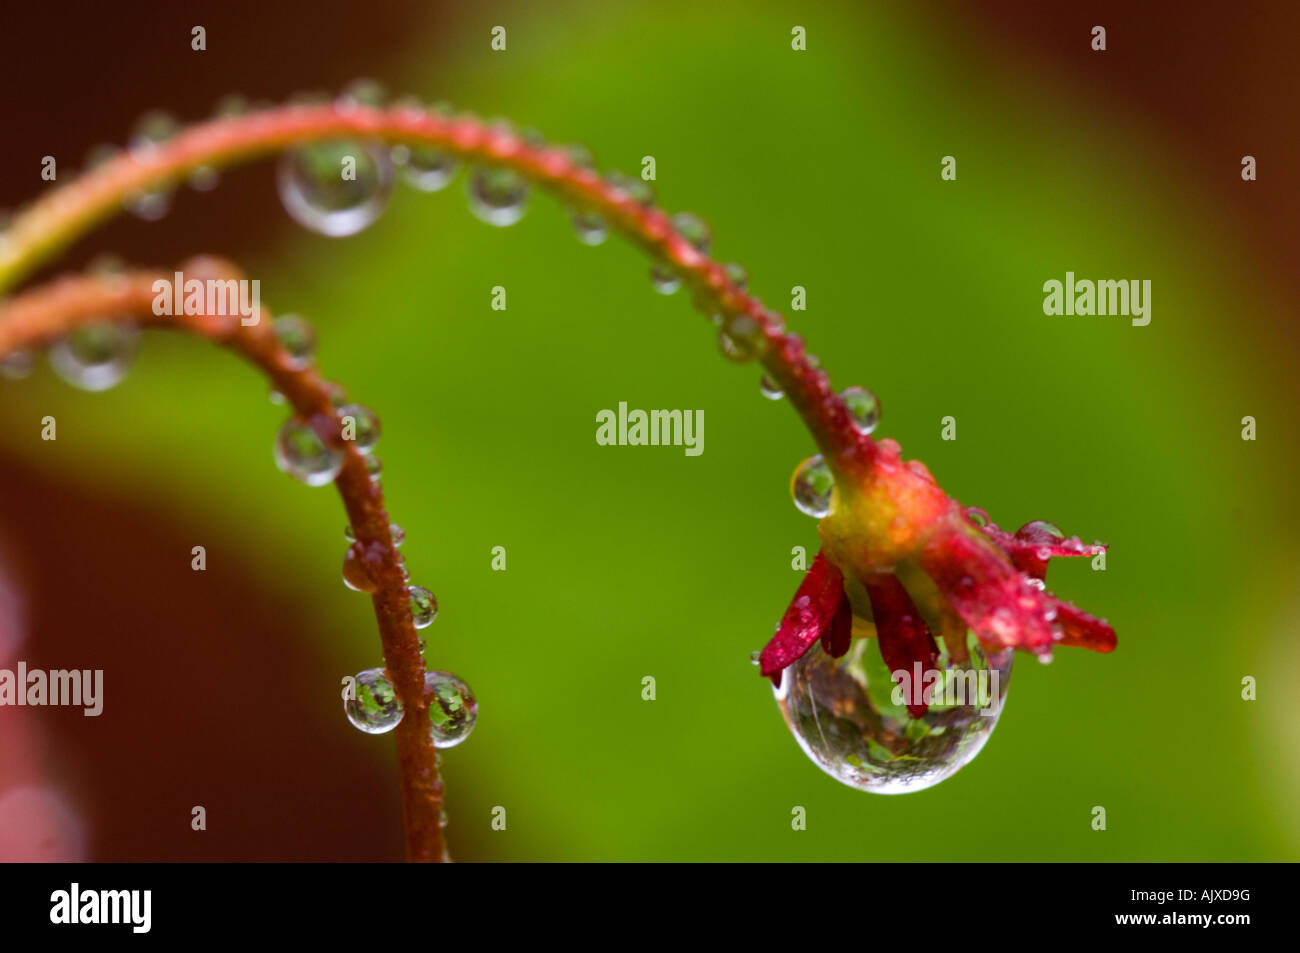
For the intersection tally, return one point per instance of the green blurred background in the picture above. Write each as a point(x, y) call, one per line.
point(816, 168)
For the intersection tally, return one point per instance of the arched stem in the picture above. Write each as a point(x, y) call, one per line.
point(43, 315)
point(69, 211)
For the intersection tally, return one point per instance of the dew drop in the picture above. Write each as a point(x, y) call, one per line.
point(356, 574)
point(153, 129)
point(864, 408)
point(738, 341)
point(425, 168)
point(366, 429)
point(843, 714)
point(424, 607)
point(638, 190)
point(590, 228)
point(754, 656)
point(275, 397)
point(738, 275)
point(16, 365)
point(374, 466)
point(362, 92)
point(1039, 527)
point(95, 357)
point(695, 230)
point(335, 188)
point(452, 709)
point(374, 706)
point(812, 486)
point(770, 388)
point(497, 196)
point(664, 279)
point(398, 534)
point(298, 339)
point(300, 452)
point(349, 535)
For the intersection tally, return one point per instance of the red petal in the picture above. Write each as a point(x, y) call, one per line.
point(990, 595)
point(1083, 630)
point(815, 604)
point(904, 637)
point(839, 634)
point(1034, 543)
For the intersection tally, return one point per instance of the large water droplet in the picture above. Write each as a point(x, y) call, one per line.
point(452, 709)
point(864, 408)
point(812, 487)
point(335, 188)
point(360, 425)
point(770, 388)
point(374, 706)
point(298, 339)
point(300, 452)
point(424, 607)
point(851, 718)
point(95, 357)
point(497, 196)
point(1038, 527)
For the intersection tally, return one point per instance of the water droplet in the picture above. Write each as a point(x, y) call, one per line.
point(863, 407)
point(754, 656)
point(695, 230)
point(497, 196)
point(335, 188)
point(664, 279)
point(374, 706)
point(738, 341)
point(152, 130)
point(770, 388)
point(425, 168)
point(231, 106)
point(424, 607)
point(580, 156)
point(349, 535)
point(374, 466)
point(638, 190)
point(452, 709)
point(16, 365)
point(297, 337)
point(300, 452)
point(843, 714)
point(1038, 527)
point(356, 574)
point(95, 357)
point(590, 227)
point(362, 92)
point(365, 429)
point(398, 534)
point(978, 516)
point(812, 487)
point(275, 397)
point(738, 275)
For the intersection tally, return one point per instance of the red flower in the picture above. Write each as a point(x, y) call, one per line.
point(894, 542)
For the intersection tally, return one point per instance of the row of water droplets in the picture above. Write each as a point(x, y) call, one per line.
point(373, 705)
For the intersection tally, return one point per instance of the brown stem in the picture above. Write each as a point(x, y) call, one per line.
point(41, 316)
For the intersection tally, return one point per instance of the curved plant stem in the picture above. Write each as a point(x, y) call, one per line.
point(59, 218)
point(43, 315)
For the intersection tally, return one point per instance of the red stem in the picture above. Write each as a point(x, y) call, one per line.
point(41, 316)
